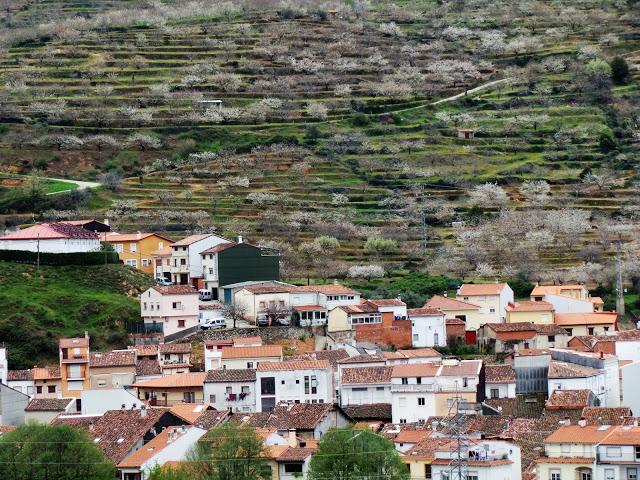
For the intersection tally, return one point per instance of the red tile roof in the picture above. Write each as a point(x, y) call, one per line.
point(231, 375)
point(569, 399)
point(219, 248)
point(387, 302)
point(175, 290)
point(48, 404)
point(366, 375)
point(115, 358)
point(79, 342)
point(373, 411)
point(527, 306)
point(481, 289)
point(163, 440)
point(19, 375)
point(190, 412)
point(179, 380)
point(424, 312)
point(415, 370)
point(295, 454)
point(293, 365)
point(174, 348)
point(500, 374)
point(146, 367)
point(595, 318)
point(425, 352)
point(448, 303)
point(411, 436)
point(578, 434)
point(49, 231)
point(185, 242)
point(132, 237)
point(363, 359)
point(570, 370)
point(511, 327)
point(606, 415)
point(362, 308)
point(252, 352)
point(464, 368)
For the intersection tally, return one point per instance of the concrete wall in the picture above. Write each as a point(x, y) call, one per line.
point(565, 304)
point(630, 387)
point(12, 405)
point(424, 330)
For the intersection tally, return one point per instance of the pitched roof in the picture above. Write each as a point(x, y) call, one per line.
point(211, 418)
point(362, 359)
point(623, 435)
point(185, 242)
point(292, 365)
point(115, 358)
point(174, 348)
point(554, 289)
point(569, 399)
point(361, 308)
point(231, 375)
point(426, 352)
point(506, 406)
point(175, 290)
point(412, 436)
point(51, 372)
point(295, 416)
point(387, 302)
point(500, 374)
point(424, 312)
point(245, 340)
point(266, 289)
point(511, 327)
point(117, 431)
point(549, 329)
point(373, 411)
point(559, 369)
point(189, 412)
point(473, 289)
point(147, 367)
point(295, 454)
point(448, 303)
point(48, 404)
point(415, 370)
point(50, 231)
point(366, 375)
point(145, 350)
point(595, 318)
point(218, 248)
point(132, 237)
point(160, 442)
point(179, 380)
point(527, 306)
point(606, 415)
point(332, 356)
point(577, 434)
point(252, 352)
point(19, 375)
point(332, 289)
point(464, 368)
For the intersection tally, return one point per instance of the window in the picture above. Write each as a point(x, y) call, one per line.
point(180, 323)
point(133, 247)
point(632, 474)
point(436, 339)
point(551, 338)
point(472, 476)
point(418, 380)
point(403, 420)
point(293, 468)
point(421, 401)
point(380, 389)
point(144, 305)
point(119, 248)
point(244, 389)
point(427, 472)
point(249, 364)
point(637, 453)
point(606, 329)
point(465, 382)
point(38, 389)
point(189, 397)
point(211, 271)
point(359, 389)
point(445, 475)
point(314, 385)
point(585, 475)
point(145, 262)
point(416, 337)
point(306, 385)
point(614, 452)
point(554, 475)
point(183, 261)
point(366, 318)
point(591, 330)
point(609, 474)
point(51, 389)
point(262, 305)
point(268, 386)
point(132, 263)
point(74, 371)
point(495, 393)
point(212, 398)
point(566, 448)
point(569, 331)
point(491, 310)
point(405, 381)
point(177, 305)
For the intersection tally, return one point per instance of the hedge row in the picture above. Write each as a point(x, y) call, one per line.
point(59, 259)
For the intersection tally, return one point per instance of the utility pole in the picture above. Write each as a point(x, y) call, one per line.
point(458, 470)
point(619, 283)
point(38, 256)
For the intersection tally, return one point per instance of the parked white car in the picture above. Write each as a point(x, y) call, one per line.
point(214, 324)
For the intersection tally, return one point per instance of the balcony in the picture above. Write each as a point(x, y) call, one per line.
point(162, 402)
point(236, 397)
point(77, 358)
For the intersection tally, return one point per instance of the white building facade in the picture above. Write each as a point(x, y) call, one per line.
point(175, 307)
point(428, 327)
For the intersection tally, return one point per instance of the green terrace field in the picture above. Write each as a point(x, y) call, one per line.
point(328, 122)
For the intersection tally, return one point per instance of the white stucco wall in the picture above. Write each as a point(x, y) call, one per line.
point(219, 390)
point(55, 245)
point(424, 330)
point(565, 304)
point(364, 394)
point(293, 387)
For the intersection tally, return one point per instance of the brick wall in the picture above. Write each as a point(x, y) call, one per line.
point(390, 332)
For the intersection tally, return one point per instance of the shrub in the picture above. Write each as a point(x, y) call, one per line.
point(619, 70)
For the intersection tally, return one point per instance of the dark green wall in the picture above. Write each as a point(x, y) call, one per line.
point(244, 263)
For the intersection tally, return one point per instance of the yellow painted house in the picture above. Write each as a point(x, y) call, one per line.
point(135, 249)
point(453, 308)
point(539, 313)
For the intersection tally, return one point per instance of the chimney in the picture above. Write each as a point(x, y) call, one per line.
point(143, 411)
point(601, 354)
point(291, 438)
point(138, 235)
point(582, 422)
point(239, 238)
point(106, 221)
point(567, 421)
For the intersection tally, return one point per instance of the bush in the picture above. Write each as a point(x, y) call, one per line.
point(619, 70)
point(360, 120)
point(59, 259)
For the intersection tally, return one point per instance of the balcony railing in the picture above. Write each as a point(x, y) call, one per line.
point(160, 402)
point(236, 397)
point(419, 387)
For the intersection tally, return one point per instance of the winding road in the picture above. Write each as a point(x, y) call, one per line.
point(81, 185)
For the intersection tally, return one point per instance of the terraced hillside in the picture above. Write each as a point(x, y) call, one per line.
point(286, 122)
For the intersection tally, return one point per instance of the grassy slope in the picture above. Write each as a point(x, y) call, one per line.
point(39, 307)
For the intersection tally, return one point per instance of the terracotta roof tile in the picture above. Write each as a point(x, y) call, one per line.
point(578, 434)
point(295, 454)
point(211, 418)
point(231, 375)
point(412, 436)
point(606, 415)
point(132, 237)
point(146, 367)
point(366, 375)
point(19, 375)
point(79, 342)
point(426, 352)
point(472, 289)
point(293, 365)
point(570, 370)
point(506, 406)
point(219, 248)
point(174, 348)
point(555, 289)
point(175, 290)
point(115, 358)
point(424, 312)
point(464, 368)
point(263, 351)
point(500, 374)
point(189, 412)
point(623, 435)
point(332, 356)
point(156, 445)
point(596, 318)
point(527, 306)
point(179, 380)
point(570, 399)
point(511, 327)
point(331, 289)
point(48, 231)
point(145, 350)
point(362, 359)
point(448, 303)
point(549, 329)
point(387, 302)
point(361, 308)
point(185, 242)
point(415, 370)
point(48, 404)
point(296, 416)
point(373, 411)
